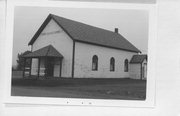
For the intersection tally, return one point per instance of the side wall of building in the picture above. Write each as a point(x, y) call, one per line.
point(34, 67)
point(54, 35)
point(83, 61)
point(135, 71)
point(138, 70)
point(144, 69)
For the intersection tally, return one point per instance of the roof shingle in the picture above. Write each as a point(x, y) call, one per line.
point(138, 59)
point(48, 51)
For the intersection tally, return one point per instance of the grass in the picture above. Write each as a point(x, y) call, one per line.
point(95, 88)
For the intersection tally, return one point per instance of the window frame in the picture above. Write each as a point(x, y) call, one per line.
point(112, 64)
point(126, 65)
point(95, 63)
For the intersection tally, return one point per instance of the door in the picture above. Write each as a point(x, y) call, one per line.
point(50, 67)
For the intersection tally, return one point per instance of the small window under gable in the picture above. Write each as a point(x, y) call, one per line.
point(94, 63)
point(112, 64)
point(126, 65)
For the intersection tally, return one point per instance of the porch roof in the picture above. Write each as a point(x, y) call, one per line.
point(138, 58)
point(48, 51)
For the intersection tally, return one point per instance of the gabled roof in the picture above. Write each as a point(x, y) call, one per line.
point(48, 51)
point(138, 59)
point(88, 34)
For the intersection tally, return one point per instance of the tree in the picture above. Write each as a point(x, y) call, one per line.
point(20, 60)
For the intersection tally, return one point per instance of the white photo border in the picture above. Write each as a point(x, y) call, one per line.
point(150, 87)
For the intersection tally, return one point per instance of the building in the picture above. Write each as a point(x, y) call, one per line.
point(138, 67)
point(65, 48)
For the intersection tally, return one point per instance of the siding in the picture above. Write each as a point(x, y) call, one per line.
point(144, 64)
point(34, 66)
point(135, 71)
point(83, 61)
point(54, 35)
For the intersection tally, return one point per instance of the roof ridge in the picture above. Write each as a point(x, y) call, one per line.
point(85, 24)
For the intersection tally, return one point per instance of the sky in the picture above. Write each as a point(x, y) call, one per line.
point(132, 24)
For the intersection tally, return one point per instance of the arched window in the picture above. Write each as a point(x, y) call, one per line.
point(112, 64)
point(94, 63)
point(126, 65)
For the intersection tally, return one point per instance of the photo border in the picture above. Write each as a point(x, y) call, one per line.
point(150, 87)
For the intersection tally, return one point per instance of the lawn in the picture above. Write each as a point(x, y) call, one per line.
point(95, 88)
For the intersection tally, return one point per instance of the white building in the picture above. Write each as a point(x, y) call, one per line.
point(67, 48)
point(138, 67)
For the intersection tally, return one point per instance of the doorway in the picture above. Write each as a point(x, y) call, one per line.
point(50, 67)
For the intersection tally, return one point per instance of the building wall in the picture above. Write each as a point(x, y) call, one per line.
point(83, 61)
point(34, 66)
point(135, 71)
point(56, 67)
point(54, 35)
point(144, 64)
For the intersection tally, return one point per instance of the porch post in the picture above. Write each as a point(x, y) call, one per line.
point(45, 65)
point(24, 66)
point(39, 60)
point(60, 66)
point(30, 67)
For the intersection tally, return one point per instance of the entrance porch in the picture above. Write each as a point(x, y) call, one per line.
point(43, 63)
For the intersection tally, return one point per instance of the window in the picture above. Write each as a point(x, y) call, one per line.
point(95, 63)
point(126, 65)
point(112, 64)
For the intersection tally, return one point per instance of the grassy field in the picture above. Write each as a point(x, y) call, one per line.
point(96, 88)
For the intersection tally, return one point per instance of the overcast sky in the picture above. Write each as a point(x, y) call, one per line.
point(132, 24)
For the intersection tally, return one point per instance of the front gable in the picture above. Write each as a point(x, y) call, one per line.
point(53, 34)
